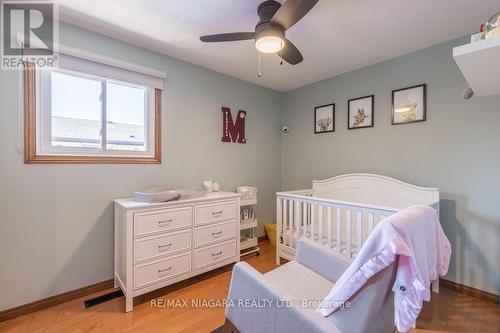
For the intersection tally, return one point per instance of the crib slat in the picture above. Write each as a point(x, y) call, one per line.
point(348, 227)
point(290, 221)
point(312, 222)
point(291, 212)
point(359, 229)
point(320, 224)
point(294, 223)
point(297, 220)
point(286, 229)
point(285, 226)
point(304, 218)
point(339, 238)
point(370, 223)
point(279, 226)
point(329, 220)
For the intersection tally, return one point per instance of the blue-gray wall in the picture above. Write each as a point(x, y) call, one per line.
point(56, 221)
point(457, 149)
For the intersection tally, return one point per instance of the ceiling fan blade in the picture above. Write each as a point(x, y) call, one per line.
point(229, 37)
point(291, 54)
point(292, 11)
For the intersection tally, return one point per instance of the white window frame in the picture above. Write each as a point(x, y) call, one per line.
point(44, 119)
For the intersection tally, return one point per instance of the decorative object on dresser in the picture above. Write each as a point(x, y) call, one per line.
point(211, 186)
point(324, 118)
point(360, 112)
point(158, 244)
point(409, 105)
point(249, 222)
point(156, 194)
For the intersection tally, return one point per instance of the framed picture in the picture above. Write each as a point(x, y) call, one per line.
point(409, 105)
point(324, 118)
point(360, 112)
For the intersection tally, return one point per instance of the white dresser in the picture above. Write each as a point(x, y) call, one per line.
point(160, 244)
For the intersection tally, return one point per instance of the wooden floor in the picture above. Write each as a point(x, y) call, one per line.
point(448, 311)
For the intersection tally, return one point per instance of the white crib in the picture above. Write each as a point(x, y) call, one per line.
point(340, 212)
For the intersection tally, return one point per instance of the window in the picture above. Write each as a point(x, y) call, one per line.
point(85, 112)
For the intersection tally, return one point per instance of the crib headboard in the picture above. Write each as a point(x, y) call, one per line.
point(375, 190)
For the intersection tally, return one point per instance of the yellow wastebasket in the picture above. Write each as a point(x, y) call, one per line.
point(271, 233)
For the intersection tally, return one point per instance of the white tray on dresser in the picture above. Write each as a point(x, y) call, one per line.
point(158, 244)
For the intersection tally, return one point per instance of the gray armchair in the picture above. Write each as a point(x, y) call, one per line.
point(261, 302)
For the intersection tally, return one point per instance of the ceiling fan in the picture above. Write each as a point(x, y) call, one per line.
point(269, 32)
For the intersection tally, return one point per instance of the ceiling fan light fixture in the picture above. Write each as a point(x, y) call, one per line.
point(275, 18)
point(269, 44)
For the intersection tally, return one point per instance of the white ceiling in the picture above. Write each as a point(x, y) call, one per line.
point(336, 36)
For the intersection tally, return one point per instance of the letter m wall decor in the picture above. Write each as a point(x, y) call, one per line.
point(232, 131)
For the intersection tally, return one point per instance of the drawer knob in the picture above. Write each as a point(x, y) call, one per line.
point(162, 247)
point(217, 234)
point(217, 213)
point(164, 270)
point(217, 254)
point(164, 223)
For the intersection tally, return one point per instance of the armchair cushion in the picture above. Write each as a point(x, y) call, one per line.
point(298, 280)
point(247, 284)
point(321, 260)
point(310, 277)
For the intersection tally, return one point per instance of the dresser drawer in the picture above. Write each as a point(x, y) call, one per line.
point(158, 246)
point(212, 255)
point(149, 223)
point(217, 212)
point(214, 233)
point(170, 268)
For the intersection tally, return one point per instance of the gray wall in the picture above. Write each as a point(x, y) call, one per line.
point(457, 149)
point(57, 220)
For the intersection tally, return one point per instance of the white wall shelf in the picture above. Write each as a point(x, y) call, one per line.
point(480, 65)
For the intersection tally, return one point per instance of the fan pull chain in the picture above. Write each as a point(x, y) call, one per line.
point(281, 51)
point(260, 74)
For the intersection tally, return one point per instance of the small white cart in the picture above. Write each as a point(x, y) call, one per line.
point(248, 224)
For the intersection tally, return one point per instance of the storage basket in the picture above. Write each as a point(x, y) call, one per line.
point(247, 192)
point(271, 233)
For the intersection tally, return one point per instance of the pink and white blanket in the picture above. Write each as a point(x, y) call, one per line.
point(414, 234)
